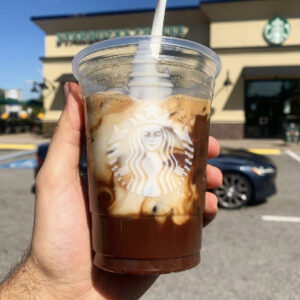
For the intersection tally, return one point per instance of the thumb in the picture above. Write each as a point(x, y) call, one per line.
point(65, 148)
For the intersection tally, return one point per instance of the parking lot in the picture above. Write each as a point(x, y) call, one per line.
point(251, 253)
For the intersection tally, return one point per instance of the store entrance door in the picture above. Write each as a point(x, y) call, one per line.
point(267, 107)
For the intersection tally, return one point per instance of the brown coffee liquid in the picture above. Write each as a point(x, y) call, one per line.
point(146, 164)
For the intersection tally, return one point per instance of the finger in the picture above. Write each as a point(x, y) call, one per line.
point(211, 208)
point(213, 147)
point(65, 148)
point(214, 177)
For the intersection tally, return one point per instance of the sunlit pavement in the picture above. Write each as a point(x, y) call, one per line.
point(22, 138)
point(252, 253)
point(18, 150)
point(262, 146)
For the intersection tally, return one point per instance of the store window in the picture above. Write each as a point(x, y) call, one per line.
point(270, 106)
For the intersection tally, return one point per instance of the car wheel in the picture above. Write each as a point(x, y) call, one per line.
point(235, 191)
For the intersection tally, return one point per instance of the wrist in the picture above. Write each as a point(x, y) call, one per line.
point(26, 282)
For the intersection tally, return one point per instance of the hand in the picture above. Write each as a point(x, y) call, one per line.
point(61, 255)
point(214, 179)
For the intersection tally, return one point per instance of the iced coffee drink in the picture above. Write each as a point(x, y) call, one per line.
point(147, 163)
point(147, 126)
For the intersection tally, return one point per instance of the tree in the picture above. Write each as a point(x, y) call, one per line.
point(2, 96)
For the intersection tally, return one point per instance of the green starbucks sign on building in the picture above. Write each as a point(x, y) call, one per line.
point(277, 30)
point(92, 36)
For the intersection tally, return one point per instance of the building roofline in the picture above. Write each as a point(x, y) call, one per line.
point(142, 10)
point(115, 12)
point(222, 1)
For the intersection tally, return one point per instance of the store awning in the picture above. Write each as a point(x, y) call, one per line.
point(8, 101)
point(33, 103)
point(273, 72)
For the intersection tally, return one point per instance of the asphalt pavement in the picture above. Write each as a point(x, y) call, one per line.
point(244, 257)
point(244, 254)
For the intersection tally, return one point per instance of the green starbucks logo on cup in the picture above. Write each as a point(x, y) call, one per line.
point(277, 30)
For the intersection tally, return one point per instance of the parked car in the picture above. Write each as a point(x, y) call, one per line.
point(41, 155)
point(247, 177)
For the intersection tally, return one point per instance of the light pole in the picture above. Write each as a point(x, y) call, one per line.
point(38, 86)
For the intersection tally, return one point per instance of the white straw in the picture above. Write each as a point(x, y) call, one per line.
point(158, 25)
point(159, 16)
point(146, 82)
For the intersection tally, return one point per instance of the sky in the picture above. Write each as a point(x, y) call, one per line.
point(22, 42)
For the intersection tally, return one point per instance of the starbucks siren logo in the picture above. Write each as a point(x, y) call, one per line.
point(149, 159)
point(277, 30)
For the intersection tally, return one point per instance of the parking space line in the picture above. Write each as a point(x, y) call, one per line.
point(265, 151)
point(27, 163)
point(281, 219)
point(17, 146)
point(293, 155)
point(17, 154)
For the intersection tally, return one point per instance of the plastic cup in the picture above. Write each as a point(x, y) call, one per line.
point(147, 139)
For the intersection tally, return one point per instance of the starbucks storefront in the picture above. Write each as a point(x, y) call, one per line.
point(258, 91)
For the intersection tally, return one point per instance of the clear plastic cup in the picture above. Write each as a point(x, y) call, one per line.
point(147, 128)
